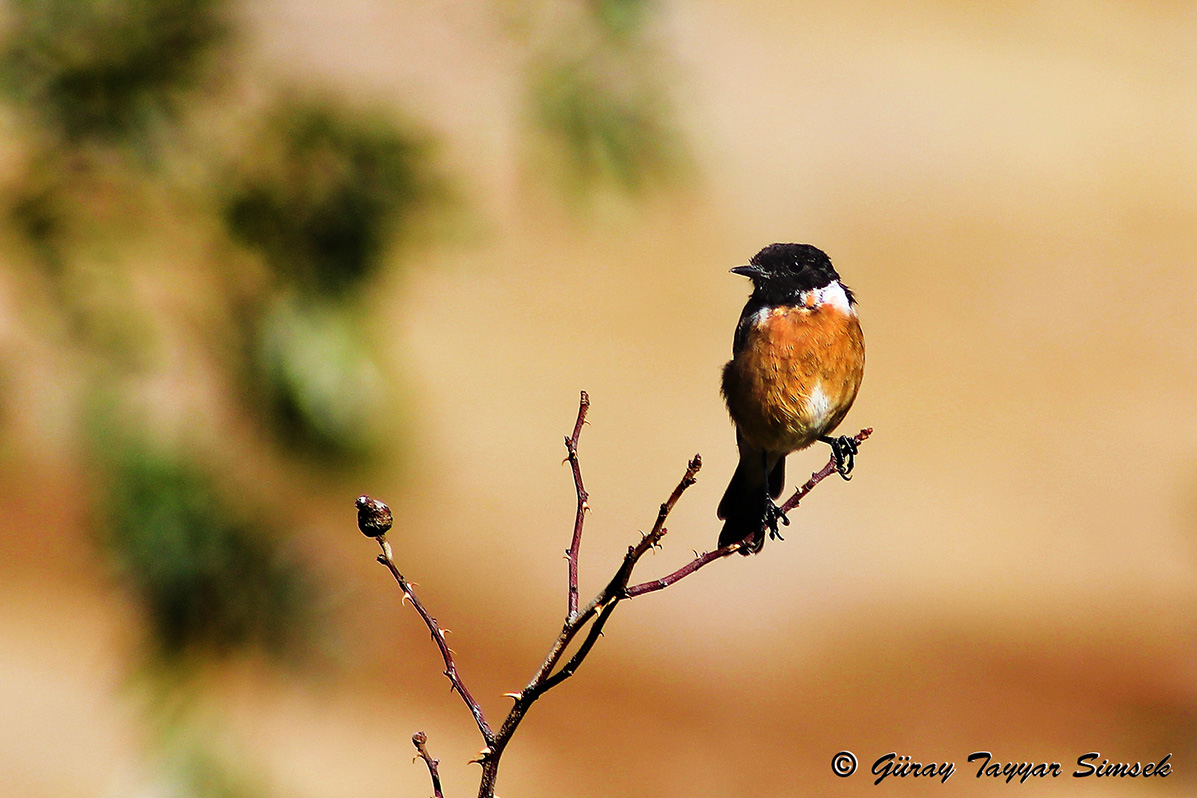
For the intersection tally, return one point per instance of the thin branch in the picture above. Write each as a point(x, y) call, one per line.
point(596, 631)
point(571, 446)
point(685, 570)
point(617, 589)
point(821, 474)
point(438, 637)
point(720, 553)
point(601, 606)
point(374, 520)
point(418, 740)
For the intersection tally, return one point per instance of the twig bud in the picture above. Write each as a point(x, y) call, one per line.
point(373, 517)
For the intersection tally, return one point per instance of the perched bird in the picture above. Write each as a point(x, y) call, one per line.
point(797, 362)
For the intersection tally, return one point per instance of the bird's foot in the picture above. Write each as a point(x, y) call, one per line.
point(773, 514)
point(843, 451)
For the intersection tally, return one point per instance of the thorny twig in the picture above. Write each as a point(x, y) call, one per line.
point(571, 446)
point(373, 516)
point(418, 740)
point(374, 519)
point(704, 559)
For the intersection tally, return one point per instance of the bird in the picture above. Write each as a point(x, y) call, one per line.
point(797, 362)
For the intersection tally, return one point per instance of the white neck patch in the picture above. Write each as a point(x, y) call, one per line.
point(833, 294)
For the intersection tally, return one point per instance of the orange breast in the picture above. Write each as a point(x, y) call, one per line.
point(795, 377)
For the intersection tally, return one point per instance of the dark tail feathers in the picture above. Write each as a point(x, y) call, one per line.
point(743, 503)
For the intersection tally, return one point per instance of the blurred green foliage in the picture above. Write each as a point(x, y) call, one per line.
point(202, 773)
point(622, 18)
point(597, 98)
point(209, 580)
point(324, 190)
point(323, 193)
point(197, 755)
point(109, 70)
point(603, 127)
point(38, 210)
point(315, 371)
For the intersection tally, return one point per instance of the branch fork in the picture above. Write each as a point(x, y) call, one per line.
point(374, 520)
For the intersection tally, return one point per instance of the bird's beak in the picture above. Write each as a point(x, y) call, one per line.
point(747, 270)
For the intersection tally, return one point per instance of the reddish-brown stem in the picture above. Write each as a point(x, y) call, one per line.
point(418, 740)
point(438, 637)
point(821, 474)
point(374, 519)
point(718, 554)
point(571, 447)
point(596, 631)
point(601, 606)
point(684, 571)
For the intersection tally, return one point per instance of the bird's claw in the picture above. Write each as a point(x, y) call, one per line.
point(773, 514)
point(843, 451)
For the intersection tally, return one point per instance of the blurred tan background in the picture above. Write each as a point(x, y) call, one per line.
point(1012, 193)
